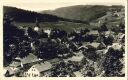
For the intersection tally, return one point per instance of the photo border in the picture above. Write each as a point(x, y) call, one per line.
point(2, 3)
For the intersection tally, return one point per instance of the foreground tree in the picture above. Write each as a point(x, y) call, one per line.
point(112, 64)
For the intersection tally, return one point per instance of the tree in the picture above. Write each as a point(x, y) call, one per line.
point(47, 50)
point(90, 53)
point(24, 48)
point(90, 38)
point(108, 40)
point(112, 64)
point(33, 34)
point(11, 40)
point(103, 27)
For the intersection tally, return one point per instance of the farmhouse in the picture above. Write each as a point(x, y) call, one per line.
point(39, 70)
point(13, 68)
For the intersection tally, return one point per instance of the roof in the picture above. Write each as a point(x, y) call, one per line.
point(78, 57)
point(78, 74)
point(14, 64)
point(43, 66)
point(10, 70)
point(47, 31)
point(107, 32)
point(55, 60)
point(30, 58)
point(117, 46)
point(121, 35)
point(93, 32)
point(94, 44)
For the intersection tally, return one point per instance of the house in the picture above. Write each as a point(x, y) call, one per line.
point(29, 59)
point(36, 28)
point(107, 33)
point(14, 65)
point(13, 68)
point(95, 44)
point(78, 57)
point(48, 31)
point(101, 46)
point(8, 72)
point(78, 74)
point(120, 37)
point(116, 46)
point(20, 63)
point(55, 60)
point(94, 32)
point(39, 70)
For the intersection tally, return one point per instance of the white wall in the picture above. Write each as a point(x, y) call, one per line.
point(32, 72)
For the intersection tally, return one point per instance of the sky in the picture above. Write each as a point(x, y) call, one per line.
point(39, 5)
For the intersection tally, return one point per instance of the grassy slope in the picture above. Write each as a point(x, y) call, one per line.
point(80, 12)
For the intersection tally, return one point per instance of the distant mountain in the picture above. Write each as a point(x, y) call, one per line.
point(21, 15)
point(81, 12)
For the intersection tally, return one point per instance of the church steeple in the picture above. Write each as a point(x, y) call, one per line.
point(36, 28)
point(37, 22)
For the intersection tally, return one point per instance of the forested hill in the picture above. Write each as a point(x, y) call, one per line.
point(82, 12)
point(21, 15)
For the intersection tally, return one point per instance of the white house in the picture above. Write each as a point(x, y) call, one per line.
point(36, 28)
point(10, 70)
point(38, 70)
point(14, 65)
point(48, 31)
point(116, 46)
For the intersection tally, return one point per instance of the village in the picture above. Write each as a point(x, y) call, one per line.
point(37, 52)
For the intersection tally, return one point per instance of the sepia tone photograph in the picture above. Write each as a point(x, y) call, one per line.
point(64, 40)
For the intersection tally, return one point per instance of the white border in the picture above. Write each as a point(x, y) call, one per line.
point(61, 78)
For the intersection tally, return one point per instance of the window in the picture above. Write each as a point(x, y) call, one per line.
point(32, 74)
point(33, 69)
point(35, 75)
point(28, 75)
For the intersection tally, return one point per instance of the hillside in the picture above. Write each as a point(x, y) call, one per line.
point(82, 12)
point(82, 16)
point(20, 15)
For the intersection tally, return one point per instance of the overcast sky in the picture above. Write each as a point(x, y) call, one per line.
point(39, 5)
